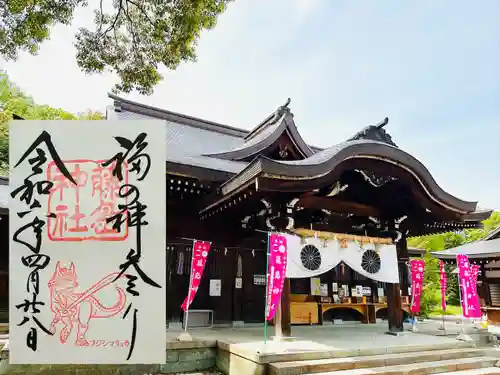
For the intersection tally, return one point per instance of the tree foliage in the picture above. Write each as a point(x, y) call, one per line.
point(132, 40)
point(13, 100)
point(431, 293)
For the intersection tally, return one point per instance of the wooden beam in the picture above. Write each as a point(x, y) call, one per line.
point(338, 205)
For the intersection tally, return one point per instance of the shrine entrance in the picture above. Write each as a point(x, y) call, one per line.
point(228, 185)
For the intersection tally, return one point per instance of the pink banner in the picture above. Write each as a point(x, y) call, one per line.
point(442, 278)
point(276, 272)
point(417, 281)
point(474, 273)
point(467, 280)
point(198, 261)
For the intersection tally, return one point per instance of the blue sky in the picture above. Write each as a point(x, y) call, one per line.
point(432, 67)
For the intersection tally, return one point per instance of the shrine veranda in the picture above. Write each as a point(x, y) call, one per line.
point(229, 186)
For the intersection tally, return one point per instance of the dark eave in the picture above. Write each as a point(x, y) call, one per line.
point(316, 171)
point(478, 215)
point(199, 173)
point(265, 136)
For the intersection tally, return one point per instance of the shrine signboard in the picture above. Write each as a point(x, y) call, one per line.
point(87, 242)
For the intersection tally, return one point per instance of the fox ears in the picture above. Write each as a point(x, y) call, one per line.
point(71, 268)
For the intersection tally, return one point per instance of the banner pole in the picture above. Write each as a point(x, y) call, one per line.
point(414, 316)
point(186, 313)
point(442, 273)
point(267, 291)
point(412, 302)
point(462, 336)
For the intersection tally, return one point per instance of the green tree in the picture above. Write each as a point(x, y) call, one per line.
point(430, 292)
point(452, 289)
point(443, 241)
point(13, 100)
point(132, 40)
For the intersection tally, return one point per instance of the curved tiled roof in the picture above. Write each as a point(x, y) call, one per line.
point(474, 250)
point(324, 162)
point(266, 134)
point(194, 142)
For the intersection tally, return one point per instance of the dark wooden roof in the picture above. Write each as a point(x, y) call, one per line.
point(235, 158)
point(265, 135)
point(209, 150)
point(314, 171)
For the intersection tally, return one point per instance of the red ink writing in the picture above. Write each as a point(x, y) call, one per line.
point(78, 212)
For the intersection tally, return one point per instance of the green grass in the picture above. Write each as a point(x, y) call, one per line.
point(450, 310)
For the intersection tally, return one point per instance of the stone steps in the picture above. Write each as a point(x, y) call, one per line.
point(422, 368)
point(478, 371)
point(428, 361)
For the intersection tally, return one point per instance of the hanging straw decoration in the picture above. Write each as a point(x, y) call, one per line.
point(344, 238)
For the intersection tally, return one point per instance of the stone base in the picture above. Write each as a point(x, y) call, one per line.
point(255, 358)
point(181, 357)
point(464, 337)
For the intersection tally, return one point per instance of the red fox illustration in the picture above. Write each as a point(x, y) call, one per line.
point(71, 307)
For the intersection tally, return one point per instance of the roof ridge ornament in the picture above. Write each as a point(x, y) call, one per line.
point(375, 133)
point(281, 111)
point(270, 120)
point(383, 123)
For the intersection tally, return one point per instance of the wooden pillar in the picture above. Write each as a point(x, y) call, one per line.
point(394, 305)
point(286, 322)
point(394, 308)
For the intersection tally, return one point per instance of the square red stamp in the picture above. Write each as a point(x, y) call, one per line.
point(79, 212)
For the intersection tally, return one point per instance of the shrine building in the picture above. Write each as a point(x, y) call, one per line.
point(486, 254)
point(232, 186)
point(229, 186)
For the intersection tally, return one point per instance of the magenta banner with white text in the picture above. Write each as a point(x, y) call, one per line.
point(442, 278)
point(417, 282)
point(276, 272)
point(470, 299)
